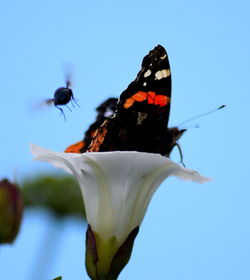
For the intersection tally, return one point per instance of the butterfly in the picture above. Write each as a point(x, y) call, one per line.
point(139, 121)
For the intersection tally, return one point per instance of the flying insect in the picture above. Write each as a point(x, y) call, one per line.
point(62, 96)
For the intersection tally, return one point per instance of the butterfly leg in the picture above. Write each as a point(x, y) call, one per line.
point(181, 154)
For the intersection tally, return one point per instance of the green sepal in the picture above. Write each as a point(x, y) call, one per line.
point(123, 255)
point(91, 254)
point(104, 259)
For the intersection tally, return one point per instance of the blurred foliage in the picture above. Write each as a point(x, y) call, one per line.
point(11, 210)
point(60, 195)
point(58, 278)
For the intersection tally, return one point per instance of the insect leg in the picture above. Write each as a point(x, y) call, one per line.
point(181, 154)
point(62, 113)
point(75, 101)
point(72, 103)
point(68, 107)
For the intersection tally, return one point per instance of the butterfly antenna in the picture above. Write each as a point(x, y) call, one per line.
point(192, 126)
point(202, 115)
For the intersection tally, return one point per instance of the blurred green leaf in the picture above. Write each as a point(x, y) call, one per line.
point(58, 278)
point(59, 194)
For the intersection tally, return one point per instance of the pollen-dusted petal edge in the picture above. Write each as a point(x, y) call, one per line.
point(116, 186)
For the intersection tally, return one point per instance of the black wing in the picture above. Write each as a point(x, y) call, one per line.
point(141, 117)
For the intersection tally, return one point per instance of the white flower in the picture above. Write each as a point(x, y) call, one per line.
point(116, 187)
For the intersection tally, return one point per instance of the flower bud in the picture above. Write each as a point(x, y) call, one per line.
point(11, 209)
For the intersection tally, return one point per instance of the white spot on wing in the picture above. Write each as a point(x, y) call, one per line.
point(162, 74)
point(164, 56)
point(108, 113)
point(144, 84)
point(147, 74)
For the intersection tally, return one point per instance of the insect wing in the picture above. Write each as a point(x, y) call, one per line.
point(150, 92)
point(105, 110)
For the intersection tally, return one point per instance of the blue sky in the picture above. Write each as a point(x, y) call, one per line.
point(190, 231)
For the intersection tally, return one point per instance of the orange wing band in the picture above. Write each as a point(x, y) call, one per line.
point(150, 96)
point(75, 148)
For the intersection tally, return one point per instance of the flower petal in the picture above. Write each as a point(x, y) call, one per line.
point(116, 186)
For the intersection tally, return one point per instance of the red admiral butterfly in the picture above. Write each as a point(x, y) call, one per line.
point(140, 119)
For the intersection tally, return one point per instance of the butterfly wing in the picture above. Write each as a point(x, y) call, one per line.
point(141, 117)
point(150, 92)
point(104, 110)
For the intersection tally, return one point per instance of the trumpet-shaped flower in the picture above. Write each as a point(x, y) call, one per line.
point(116, 188)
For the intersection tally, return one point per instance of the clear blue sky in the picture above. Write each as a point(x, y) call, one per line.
point(190, 232)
